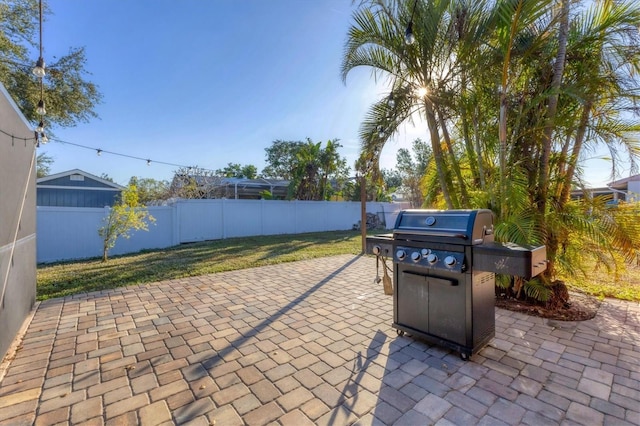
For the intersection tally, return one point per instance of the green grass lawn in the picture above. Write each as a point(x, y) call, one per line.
point(600, 282)
point(188, 260)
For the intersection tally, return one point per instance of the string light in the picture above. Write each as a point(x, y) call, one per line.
point(390, 101)
point(101, 151)
point(39, 70)
point(409, 38)
point(41, 109)
point(14, 137)
point(41, 138)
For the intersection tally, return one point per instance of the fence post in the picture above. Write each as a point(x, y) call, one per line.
point(175, 223)
point(261, 216)
point(222, 214)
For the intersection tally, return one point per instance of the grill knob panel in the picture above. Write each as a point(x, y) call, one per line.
point(415, 256)
point(432, 258)
point(401, 254)
point(450, 261)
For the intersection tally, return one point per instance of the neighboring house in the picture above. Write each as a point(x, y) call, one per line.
point(627, 189)
point(209, 187)
point(75, 188)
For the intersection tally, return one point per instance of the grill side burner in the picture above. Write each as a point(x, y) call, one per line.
point(444, 265)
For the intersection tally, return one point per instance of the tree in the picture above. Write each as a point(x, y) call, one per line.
point(281, 159)
point(149, 189)
point(249, 171)
point(196, 183)
point(125, 216)
point(69, 97)
point(412, 170)
point(513, 93)
point(235, 170)
point(314, 172)
point(43, 164)
point(392, 179)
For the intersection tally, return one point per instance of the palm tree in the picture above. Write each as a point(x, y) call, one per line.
point(563, 73)
point(418, 73)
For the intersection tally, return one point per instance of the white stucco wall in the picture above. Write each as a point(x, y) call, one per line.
point(17, 220)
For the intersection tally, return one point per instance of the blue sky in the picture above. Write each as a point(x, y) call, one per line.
point(207, 83)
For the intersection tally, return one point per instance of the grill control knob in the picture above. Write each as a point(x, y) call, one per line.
point(450, 261)
point(376, 250)
point(425, 252)
point(432, 258)
point(400, 254)
point(415, 256)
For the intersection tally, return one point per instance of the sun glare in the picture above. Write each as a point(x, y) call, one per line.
point(421, 92)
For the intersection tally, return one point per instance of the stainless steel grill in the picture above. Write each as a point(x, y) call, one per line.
point(444, 265)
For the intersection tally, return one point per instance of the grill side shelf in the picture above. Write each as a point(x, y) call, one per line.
point(383, 243)
point(525, 261)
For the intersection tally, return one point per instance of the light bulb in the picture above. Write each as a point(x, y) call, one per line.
point(43, 138)
point(39, 70)
point(40, 127)
point(40, 109)
point(390, 101)
point(148, 162)
point(381, 131)
point(409, 38)
point(99, 152)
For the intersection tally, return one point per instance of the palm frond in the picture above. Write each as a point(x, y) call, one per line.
point(537, 290)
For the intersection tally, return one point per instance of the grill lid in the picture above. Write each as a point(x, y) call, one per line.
point(467, 227)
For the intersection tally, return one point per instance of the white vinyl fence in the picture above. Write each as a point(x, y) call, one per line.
point(65, 233)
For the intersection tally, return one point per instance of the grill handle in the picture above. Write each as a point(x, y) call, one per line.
point(485, 232)
point(433, 234)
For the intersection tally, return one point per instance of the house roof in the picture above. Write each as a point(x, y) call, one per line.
point(234, 187)
point(43, 180)
point(622, 183)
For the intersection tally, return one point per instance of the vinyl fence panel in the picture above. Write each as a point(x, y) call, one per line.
point(65, 233)
point(200, 220)
point(68, 233)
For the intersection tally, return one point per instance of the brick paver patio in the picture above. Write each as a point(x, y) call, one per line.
point(308, 342)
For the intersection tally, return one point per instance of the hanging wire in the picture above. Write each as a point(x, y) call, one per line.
point(16, 137)
point(40, 4)
point(38, 138)
point(147, 160)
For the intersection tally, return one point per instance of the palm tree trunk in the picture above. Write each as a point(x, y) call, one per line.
point(454, 163)
point(466, 134)
point(503, 148)
point(562, 166)
point(476, 129)
point(437, 154)
point(552, 107)
point(575, 154)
